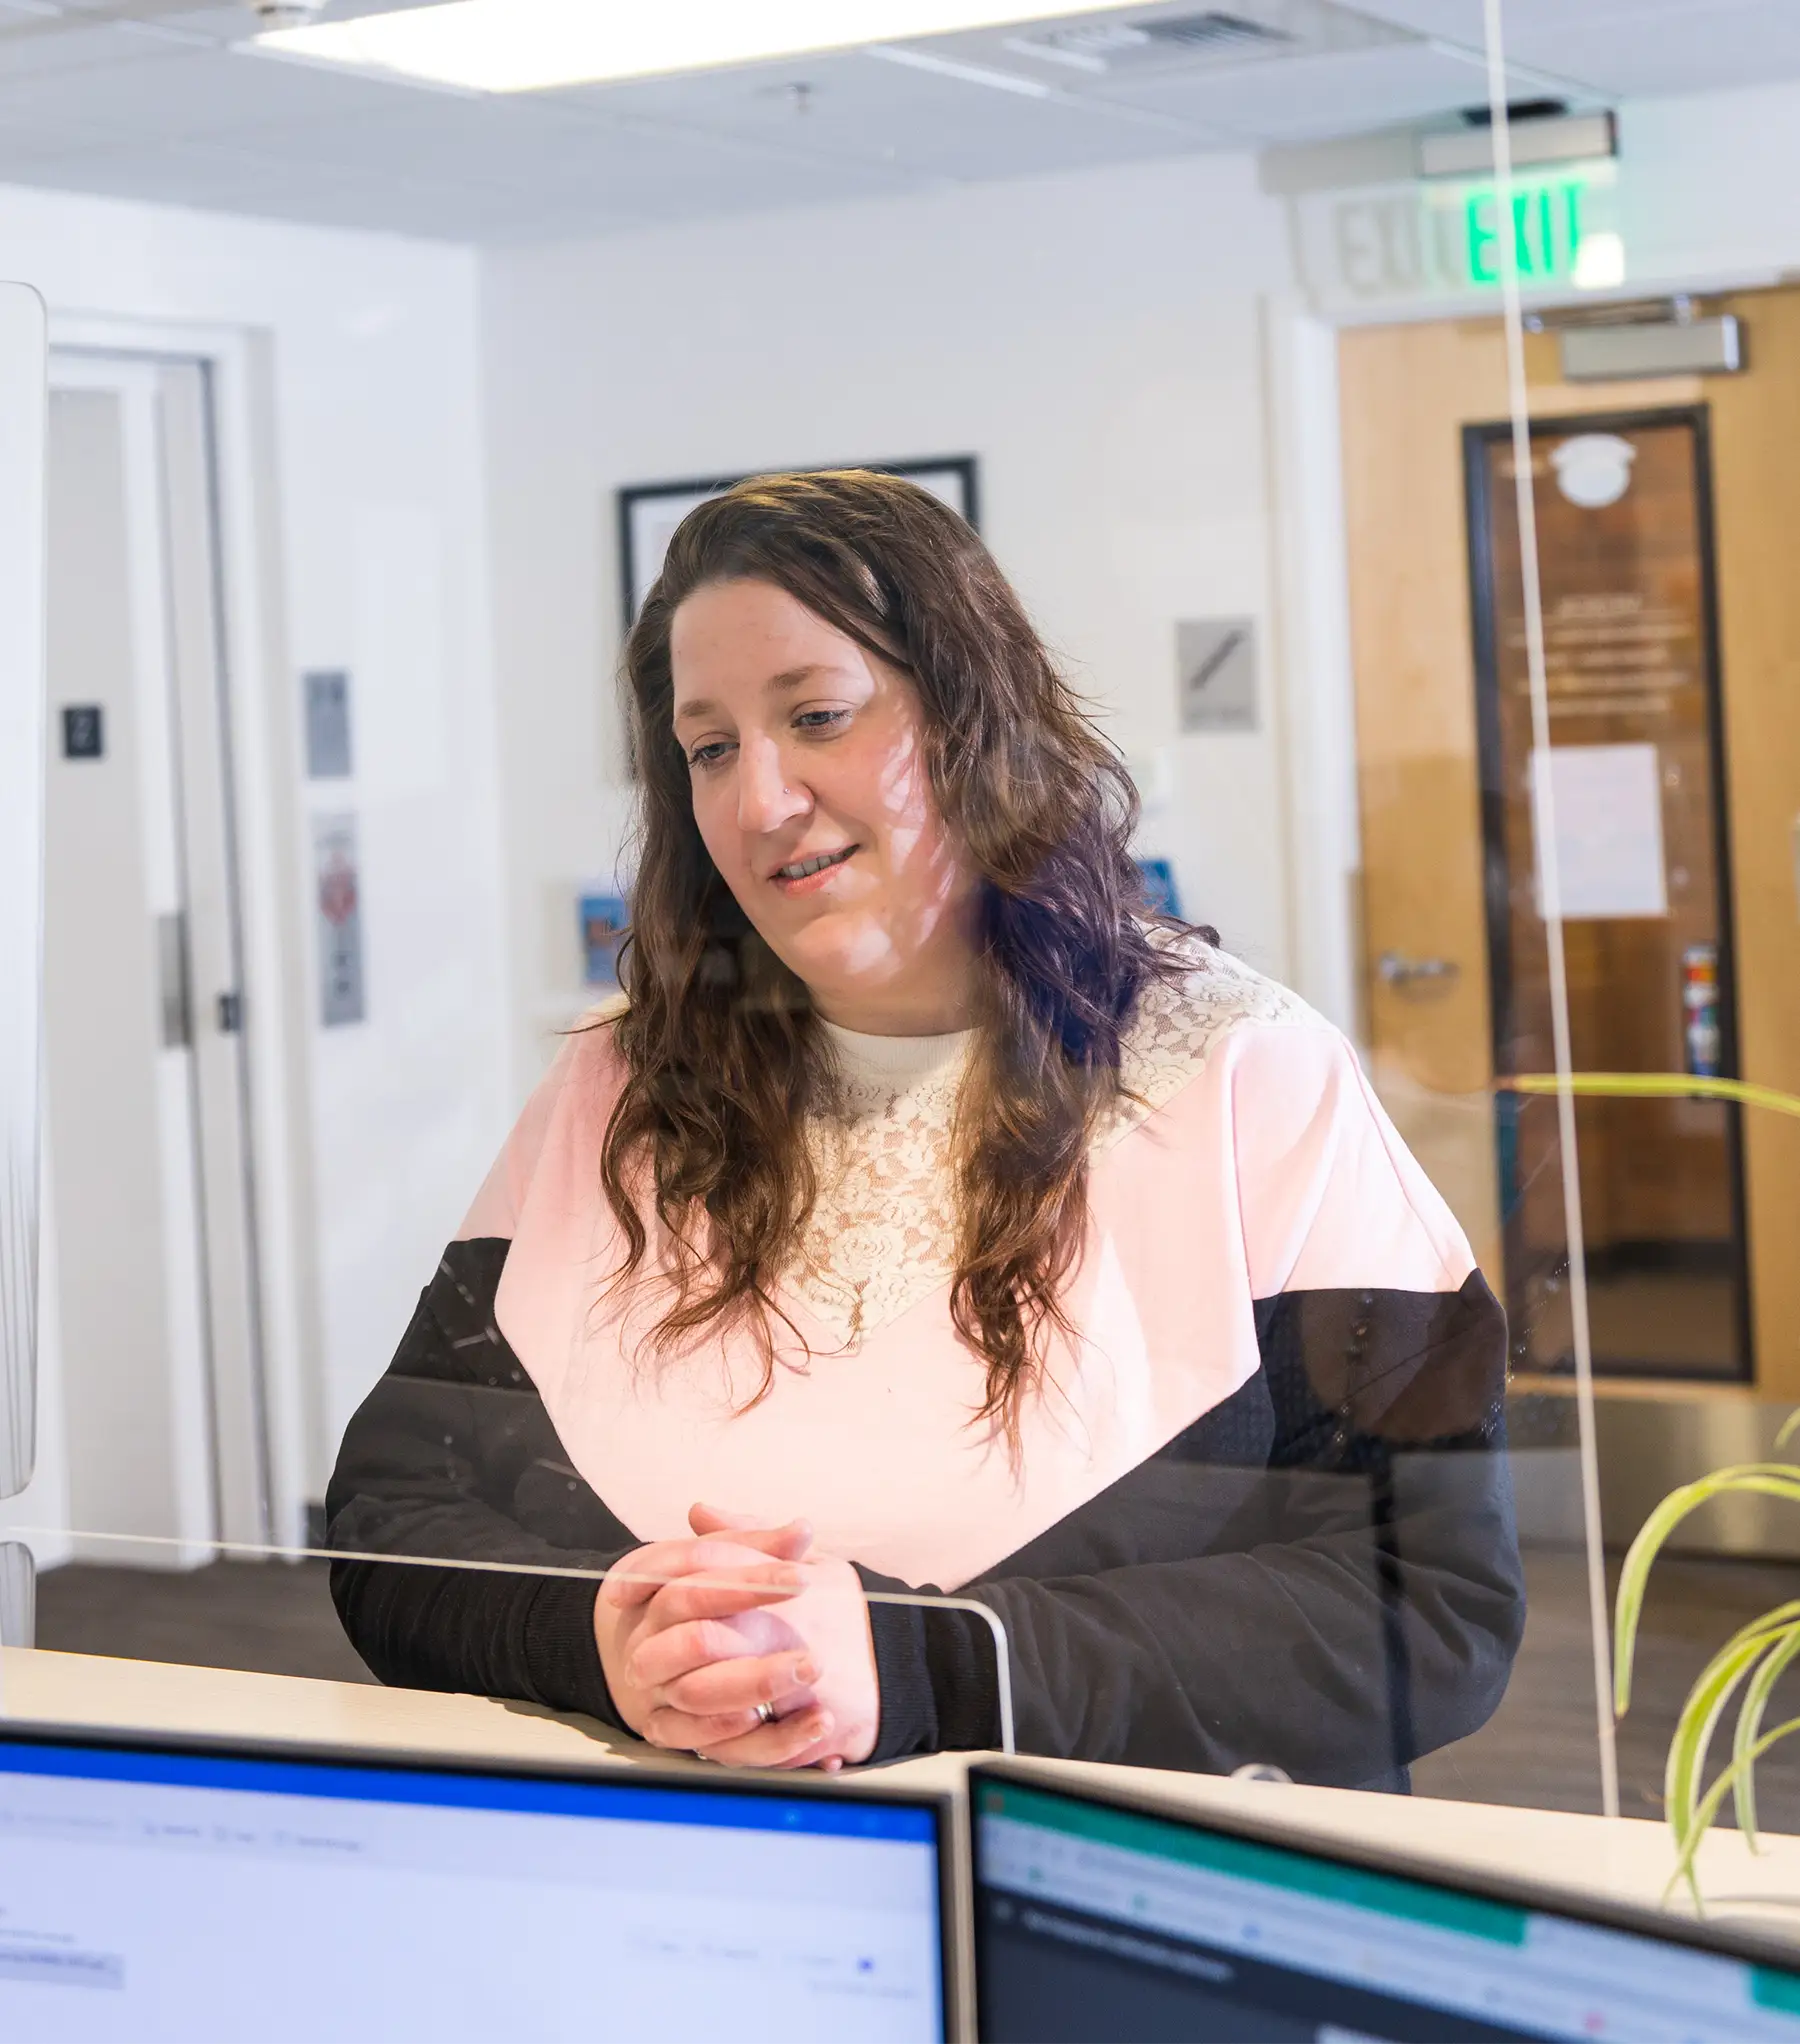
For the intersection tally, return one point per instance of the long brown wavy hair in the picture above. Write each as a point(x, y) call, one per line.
point(722, 1057)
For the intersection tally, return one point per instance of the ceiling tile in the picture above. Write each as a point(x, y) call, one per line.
point(154, 112)
point(645, 166)
point(857, 107)
point(1458, 20)
point(158, 89)
point(1622, 48)
point(1284, 99)
point(1661, 48)
point(31, 46)
point(498, 145)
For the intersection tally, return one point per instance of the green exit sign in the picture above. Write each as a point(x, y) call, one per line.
point(1545, 220)
point(1440, 241)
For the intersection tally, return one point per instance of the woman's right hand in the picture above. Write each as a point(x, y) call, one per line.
point(732, 1587)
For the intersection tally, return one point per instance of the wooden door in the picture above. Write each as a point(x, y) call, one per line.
point(1756, 481)
point(1406, 394)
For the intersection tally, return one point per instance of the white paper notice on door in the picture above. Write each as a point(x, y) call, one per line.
point(1607, 801)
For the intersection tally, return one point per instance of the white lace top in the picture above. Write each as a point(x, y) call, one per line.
point(883, 1228)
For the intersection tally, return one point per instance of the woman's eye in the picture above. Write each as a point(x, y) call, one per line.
point(709, 754)
point(816, 721)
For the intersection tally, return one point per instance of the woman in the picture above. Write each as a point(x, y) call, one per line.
point(929, 1216)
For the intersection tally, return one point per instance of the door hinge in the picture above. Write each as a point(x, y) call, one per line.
point(231, 1013)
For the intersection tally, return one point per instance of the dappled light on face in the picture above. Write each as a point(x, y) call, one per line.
point(921, 852)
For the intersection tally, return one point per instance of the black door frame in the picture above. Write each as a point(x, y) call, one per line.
point(1496, 877)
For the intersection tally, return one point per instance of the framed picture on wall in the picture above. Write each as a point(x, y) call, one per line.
point(650, 512)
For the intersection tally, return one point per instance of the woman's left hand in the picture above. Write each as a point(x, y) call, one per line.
point(674, 1658)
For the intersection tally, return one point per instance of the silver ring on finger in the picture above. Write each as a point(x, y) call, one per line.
point(765, 1713)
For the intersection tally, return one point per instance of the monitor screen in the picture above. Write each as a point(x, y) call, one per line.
point(178, 1893)
point(1096, 1922)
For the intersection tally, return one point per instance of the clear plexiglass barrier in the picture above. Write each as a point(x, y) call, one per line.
point(1438, 1226)
point(538, 1620)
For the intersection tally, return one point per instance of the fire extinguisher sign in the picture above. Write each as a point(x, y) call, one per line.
point(338, 891)
point(1702, 1038)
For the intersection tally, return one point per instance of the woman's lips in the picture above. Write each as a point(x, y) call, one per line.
point(810, 883)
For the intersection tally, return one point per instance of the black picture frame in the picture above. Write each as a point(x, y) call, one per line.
point(649, 510)
point(1496, 878)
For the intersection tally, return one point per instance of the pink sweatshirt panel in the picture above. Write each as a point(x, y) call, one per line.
point(1272, 1169)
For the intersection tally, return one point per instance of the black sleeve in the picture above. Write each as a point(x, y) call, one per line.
point(452, 1455)
point(1323, 1574)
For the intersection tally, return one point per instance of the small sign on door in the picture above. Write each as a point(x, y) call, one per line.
point(1215, 669)
point(337, 878)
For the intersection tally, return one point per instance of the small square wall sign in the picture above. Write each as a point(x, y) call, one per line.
point(83, 731)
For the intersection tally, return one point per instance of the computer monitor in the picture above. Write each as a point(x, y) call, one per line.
point(1099, 1917)
point(161, 1889)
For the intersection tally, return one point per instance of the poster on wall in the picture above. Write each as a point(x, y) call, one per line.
point(336, 872)
point(604, 918)
point(650, 512)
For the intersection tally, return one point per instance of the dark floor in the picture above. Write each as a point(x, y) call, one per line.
point(272, 1616)
point(1539, 1749)
point(1541, 1746)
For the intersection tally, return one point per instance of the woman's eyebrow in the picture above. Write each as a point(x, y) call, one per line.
point(789, 678)
point(793, 677)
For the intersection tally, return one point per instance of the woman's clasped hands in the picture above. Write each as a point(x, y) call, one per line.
point(742, 1646)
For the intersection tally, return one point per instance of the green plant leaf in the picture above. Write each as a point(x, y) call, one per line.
point(1700, 1716)
point(1767, 1479)
point(1708, 1809)
point(1773, 1640)
point(1750, 1717)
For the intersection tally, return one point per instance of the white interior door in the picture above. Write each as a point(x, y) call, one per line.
point(148, 1180)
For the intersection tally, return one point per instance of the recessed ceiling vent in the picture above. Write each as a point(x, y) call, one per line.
point(1143, 45)
point(1212, 32)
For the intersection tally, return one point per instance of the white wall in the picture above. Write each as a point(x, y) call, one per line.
point(1093, 339)
point(1707, 187)
point(370, 350)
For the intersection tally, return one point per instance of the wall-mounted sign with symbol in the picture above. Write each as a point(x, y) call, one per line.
point(337, 881)
point(84, 731)
point(327, 724)
point(1215, 669)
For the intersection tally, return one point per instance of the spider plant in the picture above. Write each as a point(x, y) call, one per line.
point(1752, 1660)
point(1756, 1654)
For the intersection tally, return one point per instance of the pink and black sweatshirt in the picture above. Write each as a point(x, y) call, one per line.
point(1258, 1509)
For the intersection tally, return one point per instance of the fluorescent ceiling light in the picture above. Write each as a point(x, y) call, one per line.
point(531, 45)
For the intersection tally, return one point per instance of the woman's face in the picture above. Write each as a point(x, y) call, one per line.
point(807, 762)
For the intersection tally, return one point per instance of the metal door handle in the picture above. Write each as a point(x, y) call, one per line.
point(1394, 969)
point(173, 993)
